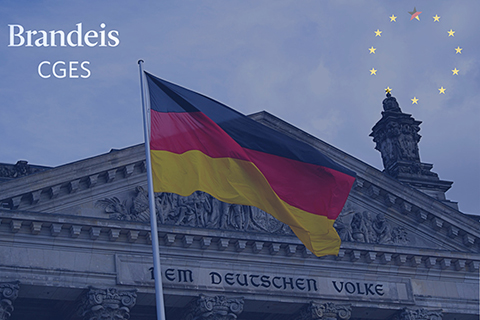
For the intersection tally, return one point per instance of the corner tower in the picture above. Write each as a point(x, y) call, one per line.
point(396, 137)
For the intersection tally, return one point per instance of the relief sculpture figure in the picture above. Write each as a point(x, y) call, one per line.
point(382, 229)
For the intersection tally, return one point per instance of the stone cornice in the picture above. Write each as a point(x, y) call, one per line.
point(28, 225)
point(68, 179)
point(422, 209)
point(391, 194)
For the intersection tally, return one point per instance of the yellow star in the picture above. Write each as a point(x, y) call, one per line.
point(451, 33)
point(436, 18)
point(372, 50)
point(373, 71)
point(414, 100)
point(455, 71)
point(388, 90)
point(458, 50)
point(393, 18)
point(442, 90)
point(378, 33)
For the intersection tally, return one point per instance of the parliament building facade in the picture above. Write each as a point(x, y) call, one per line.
point(75, 243)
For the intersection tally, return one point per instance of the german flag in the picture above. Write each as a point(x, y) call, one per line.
point(197, 143)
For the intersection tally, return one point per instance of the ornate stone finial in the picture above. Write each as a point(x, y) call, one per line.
point(325, 311)
point(107, 304)
point(8, 294)
point(418, 314)
point(214, 308)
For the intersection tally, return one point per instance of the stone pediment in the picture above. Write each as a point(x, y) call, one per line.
point(380, 211)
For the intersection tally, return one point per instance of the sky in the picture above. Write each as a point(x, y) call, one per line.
point(318, 65)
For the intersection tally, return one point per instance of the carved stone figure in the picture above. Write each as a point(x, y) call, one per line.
point(238, 216)
point(140, 207)
point(359, 229)
point(116, 208)
point(391, 104)
point(20, 169)
point(214, 308)
point(382, 229)
point(186, 211)
point(344, 230)
point(370, 235)
point(212, 217)
point(400, 236)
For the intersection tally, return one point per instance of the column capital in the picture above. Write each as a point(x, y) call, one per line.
point(418, 314)
point(214, 308)
point(325, 311)
point(107, 304)
point(8, 294)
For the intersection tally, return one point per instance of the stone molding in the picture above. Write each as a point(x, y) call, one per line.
point(107, 304)
point(325, 311)
point(467, 236)
point(70, 227)
point(8, 294)
point(444, 224)
point(433, 215)
point(201, 210)
point(214, 308)
point(70, 186)
point(418, 314)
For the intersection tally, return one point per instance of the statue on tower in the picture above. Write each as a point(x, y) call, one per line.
point(396, 137)
point(390, 104)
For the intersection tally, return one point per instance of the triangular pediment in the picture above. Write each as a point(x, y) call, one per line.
point(381, 212)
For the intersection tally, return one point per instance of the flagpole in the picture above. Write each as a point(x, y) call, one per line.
point(157, 272)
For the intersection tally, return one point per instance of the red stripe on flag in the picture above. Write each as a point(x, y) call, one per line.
point(179, 132)
point(312, 188)
point(309, 187)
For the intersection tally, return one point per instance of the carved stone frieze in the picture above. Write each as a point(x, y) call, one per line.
point(107, 304)
point(214, 308)
point(418, 314)
point(197, 210)
point(204, 211)
point(355, 226)
point(8, 294)
point(325, 311)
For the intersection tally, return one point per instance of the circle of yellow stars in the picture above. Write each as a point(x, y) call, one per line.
point(415, 15)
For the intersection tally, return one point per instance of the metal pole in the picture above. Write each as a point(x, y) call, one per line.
point(157, 272)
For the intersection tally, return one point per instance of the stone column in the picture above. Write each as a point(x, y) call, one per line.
point(8, 294)
point(418, 314)
point(325, 311)
point(214, 308)
point(107, 304)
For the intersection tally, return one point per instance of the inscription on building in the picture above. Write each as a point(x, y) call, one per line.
point(359, 288)
point(138, 271)
point(273, 282)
